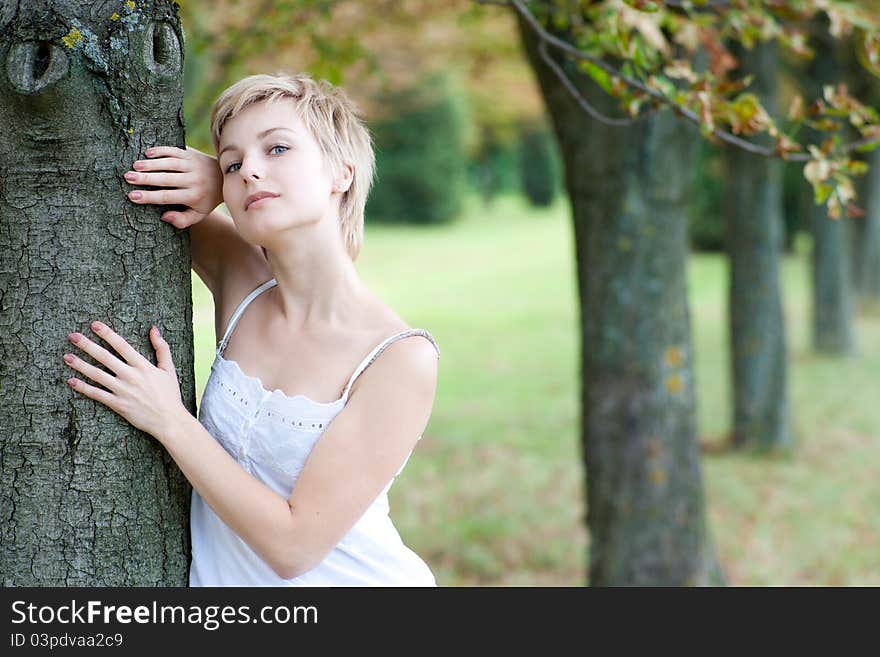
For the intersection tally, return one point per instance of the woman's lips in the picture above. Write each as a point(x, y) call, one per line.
point(260, 201)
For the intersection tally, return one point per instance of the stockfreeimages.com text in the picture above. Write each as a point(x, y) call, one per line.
point(210, 617)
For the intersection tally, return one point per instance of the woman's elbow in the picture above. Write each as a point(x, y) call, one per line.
point(293, 556)
point(292, 565)
point(286, 571)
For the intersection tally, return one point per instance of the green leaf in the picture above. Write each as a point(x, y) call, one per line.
point(821, 192)
point(597, 74)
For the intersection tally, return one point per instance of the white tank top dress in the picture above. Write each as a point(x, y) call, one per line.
point(271, 434)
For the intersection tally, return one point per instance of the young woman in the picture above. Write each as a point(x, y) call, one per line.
point(319, 391)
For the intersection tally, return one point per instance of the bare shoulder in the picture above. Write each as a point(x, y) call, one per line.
point(401, 383)
point(411, 359)
point(414, 357)
point(392, 324)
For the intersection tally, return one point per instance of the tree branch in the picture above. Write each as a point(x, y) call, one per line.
point(583, 102)
point(727, 137)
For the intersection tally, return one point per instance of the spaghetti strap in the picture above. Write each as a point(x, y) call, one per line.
point(382, 346)
point(238, 312)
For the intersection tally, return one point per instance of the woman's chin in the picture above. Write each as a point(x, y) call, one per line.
point(269, 231)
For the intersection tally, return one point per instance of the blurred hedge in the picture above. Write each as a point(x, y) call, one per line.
point(539, 165)
point(494, 167)
point(421, 159)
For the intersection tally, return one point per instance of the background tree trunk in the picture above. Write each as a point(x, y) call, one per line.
point(754, 232)
point(866, 235)
point(866, 229)
point(85, 88)
point(831, 257)
point(646, 508)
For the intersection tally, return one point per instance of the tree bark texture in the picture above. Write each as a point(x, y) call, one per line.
point(866, 235)
point(646, 507)
point(832, 289)
point(754, 236)
point(85, 88)
point(866, 229)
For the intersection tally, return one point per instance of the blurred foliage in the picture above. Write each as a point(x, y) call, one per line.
point(420, 155)
point(373, 48)
point(224, 38)
point(642, 52)
point(539, 164)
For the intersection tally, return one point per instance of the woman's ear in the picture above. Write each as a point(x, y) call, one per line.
point(344, 180)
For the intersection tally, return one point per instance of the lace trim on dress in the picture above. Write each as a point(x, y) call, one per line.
point(297, 421)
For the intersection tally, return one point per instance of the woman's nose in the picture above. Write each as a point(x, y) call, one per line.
point(249, 170)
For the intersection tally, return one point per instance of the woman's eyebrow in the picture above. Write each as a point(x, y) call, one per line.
point(259, 136)
point(270, 130)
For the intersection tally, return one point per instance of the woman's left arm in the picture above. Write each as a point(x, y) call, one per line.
point(357, 455)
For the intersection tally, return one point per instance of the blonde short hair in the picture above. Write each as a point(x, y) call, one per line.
point(334, 121)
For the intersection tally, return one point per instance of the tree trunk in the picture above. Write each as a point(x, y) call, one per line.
point(831, 257)
point(866, 239)
point(754, 232)
point(85, 88)
point(866, 229)
point(646, 507)
point(832, 284)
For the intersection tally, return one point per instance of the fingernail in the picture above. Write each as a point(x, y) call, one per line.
point(130, 175)
point(71, 382)
point(98, 326)
point(149, 152)
point(74, 337)
point(68, 358)
point(134, 195)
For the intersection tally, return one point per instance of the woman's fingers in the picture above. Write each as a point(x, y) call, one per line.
point(92, 392)
point(163, 351)
point(176, 188)
point(161, 196)
point(162, 164)
point(165, 151)
point(183, 219)
point(98, 353)
point(129, 353)
point(164, 158)
point(96, 374)
point(158, 179)
point(179, 177)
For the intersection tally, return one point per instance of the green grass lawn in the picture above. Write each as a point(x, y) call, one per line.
point(493, 494)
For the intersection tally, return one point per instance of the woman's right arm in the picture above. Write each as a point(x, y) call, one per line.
point(193, 179)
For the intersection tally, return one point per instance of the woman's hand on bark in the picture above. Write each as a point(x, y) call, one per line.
point(186, 177)
point(146, 395)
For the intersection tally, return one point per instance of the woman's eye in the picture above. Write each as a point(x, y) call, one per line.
point(276, 147)
point(230, 168)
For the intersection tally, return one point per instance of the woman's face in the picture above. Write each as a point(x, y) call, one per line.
point(267, 151)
